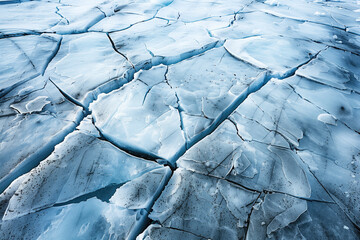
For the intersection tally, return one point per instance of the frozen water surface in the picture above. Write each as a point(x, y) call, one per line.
point(170, 119)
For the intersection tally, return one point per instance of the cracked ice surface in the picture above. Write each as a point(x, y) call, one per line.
point(171, 119)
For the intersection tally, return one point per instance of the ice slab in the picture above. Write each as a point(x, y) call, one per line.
point(125, 15)
point(35, 105)
point(277, 54)
point(85, 62)
point(45, 117)
point(146, 120)
point(259, 23)
point(313, 11)
point(156, 41)
point(6, 195)
point(167, 107)
point(92, 217)
point(335, 68)
point(81, 160)
point(261, 166)
point(26, 58)
point(342, 106)
point(204, 206)
point(141, 192)
point(336, 145)
point(282, 216)
point(77, 19)
point(28, 17)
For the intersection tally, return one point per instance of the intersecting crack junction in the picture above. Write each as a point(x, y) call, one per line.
point(173, 119)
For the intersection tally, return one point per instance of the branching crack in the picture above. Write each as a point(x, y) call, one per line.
point(58, 13)
point(178, 108)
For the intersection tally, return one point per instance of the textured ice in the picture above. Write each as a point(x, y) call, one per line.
point(281, 216)
point(208, 207)
point(171, 119)
point(156, 231)
point(256, 165)
point(91, 217)
point(84, 63)
point(174, 101)
point(27, 57)
point(341, 72)
point(259, 51)
point(27, 17)
point(81, 160)
point(24, 112)
point(189, 11)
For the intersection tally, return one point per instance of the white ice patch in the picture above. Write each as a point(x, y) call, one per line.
point(327, 118)
point(32, 106)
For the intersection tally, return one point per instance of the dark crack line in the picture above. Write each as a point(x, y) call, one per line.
point(220, 163)
point(335, 47)
point(130, 26)
point(21, 34)
point(236, 127)
point(260, 142)
point(53, 55)
point(146, 221)
point(182, 230)
point(116, 50)
point(267, 191)
point(98, 8)
point(149, 90)
point(8, 115)
point(249, 216)
point(94, 21)
point(148, 50)
point(292, 71)
point(142, 21)
point(274, 131)
point(139, 154)
point(70, 98)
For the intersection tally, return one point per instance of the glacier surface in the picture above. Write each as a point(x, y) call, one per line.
point(171, 119)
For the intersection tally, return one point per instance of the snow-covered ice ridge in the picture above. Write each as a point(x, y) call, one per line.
point(173, 119)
